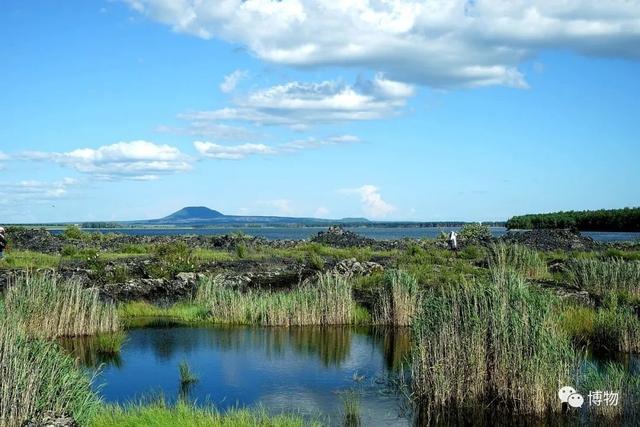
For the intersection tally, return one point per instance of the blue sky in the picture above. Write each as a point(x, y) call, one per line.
point(440, 110)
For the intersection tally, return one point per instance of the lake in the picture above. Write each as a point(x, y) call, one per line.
point(379, 233)
point(300, 369)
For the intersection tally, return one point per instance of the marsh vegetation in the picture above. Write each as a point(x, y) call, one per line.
point(491, 326)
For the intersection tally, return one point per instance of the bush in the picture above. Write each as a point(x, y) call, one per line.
point(73, 232)
point(475, 233)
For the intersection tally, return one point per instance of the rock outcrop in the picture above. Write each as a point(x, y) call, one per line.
point(550, 240)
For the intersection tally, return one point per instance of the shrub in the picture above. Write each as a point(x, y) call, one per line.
point(475, 232)
point(73, 232)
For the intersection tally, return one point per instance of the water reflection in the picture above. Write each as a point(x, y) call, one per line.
point(285, 369)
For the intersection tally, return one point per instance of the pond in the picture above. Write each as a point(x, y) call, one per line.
point(301, 369)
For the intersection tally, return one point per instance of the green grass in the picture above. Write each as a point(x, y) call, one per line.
point(37, 376)
point(27, 260)
point(48, 307)
point(398, 299)
point(187, 376)
point(518, 258)
point(326, 302)
point(604, 277)
point(613, 378)
point(493, 345)
point(159, 414)
point(183, 312)
point(350, 408)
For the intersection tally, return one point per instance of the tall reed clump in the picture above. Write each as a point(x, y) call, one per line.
point(36, 376)
point(615, 328)
point(614, 378)
point(517, 258)
point(48, 307)
point(350, 408)
point(398, 300)
point(328, 301)
point(495, 345)
point(602, 277)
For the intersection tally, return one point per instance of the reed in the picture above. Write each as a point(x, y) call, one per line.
point(612, 378)
point(36, 376)
point(48, 307)
point(602, 277)
point(350, 408)
point(326, 302)
point(187, 376)
point(517, 258)
point(495, 345)
point(398, 300)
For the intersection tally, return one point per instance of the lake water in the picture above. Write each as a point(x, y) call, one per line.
point(379, 233)
point(300, 369)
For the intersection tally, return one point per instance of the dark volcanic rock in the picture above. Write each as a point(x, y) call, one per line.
point(51, 419)
point(158, 291)
point(549, 240)
point(339, 237)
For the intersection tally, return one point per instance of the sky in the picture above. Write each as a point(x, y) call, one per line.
point(391, 110)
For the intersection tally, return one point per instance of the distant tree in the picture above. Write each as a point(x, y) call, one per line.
point(627, 219)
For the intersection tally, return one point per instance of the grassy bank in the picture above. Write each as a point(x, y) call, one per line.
point(159, 414)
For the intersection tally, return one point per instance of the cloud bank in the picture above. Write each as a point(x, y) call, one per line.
point(439, 43)
point(139, 160)
point(372, 203)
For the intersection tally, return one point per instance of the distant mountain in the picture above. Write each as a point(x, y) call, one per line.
point(201, 216)
point(192, 213)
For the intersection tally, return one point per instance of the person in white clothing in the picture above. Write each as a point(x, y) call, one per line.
point(453, 241)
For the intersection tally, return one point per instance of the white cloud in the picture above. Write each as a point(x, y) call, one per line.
point(372, 203)
point(219, 131)
point(299, 105)
point(140, 160)
point(440, 43)
point(231, 80)
point(241, 151)
point(231, 152)
point(281, 206)
point(32, 191)
point(321, 212)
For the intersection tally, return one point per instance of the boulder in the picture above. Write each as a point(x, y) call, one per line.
point(352, 267)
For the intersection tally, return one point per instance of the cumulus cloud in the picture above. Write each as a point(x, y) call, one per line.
point(372, 203)
point(442, 43)
point(140, 160)
point(241, 151)
point(230, 81)
point(299, 104)
point(35, 191)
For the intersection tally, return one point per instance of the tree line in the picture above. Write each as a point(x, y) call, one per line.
point(627, 219)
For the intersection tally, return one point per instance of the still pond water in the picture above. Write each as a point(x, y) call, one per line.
point(300, 369)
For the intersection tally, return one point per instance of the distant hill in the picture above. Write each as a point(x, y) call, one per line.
point(201, 216)
point(192, 213)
